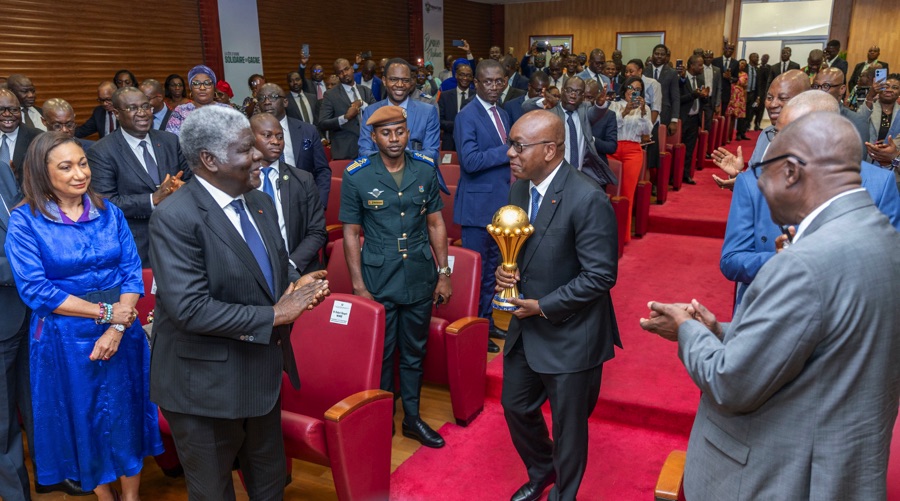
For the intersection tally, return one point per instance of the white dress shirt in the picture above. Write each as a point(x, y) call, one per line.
point(542, 188)
point(288, 145)
point(10, 141)
point(632, 126)
point(460, 99)
point(224, 200)
point(351, 90)
point(487, 108)
point(276, 186)
point(35, 119)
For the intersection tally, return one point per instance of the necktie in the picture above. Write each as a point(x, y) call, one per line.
point(26, 113)
point(4, 150)
point(695, 107)
point(268, 189)
point(656, 73)
point(257, 248)
point(110, 122)
point(355, 94)
point(304, 112)
point(573, 141)
point(319, 89)
point(752, 78)
point(499, 124)
point(535, 204)
point(597, 77)
point(462, 99)
point(783, 67)
point(152, 168)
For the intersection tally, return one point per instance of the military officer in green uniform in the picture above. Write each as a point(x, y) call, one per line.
point(393, 197)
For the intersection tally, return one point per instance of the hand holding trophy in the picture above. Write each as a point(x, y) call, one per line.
point(509, 228)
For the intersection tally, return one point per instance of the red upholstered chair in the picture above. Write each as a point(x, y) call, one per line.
point(456, 339)
point(676, 147)
point(713, 138)
point(893, 473)
point(665, 168)
point(337, 167)
point(454, 159)
point(642, 201)
point(455, 349)
point(146, 304)
point(720, 134)
point(621, 203)
point(339, 417)
point(332, 220)
point(454, 231)
point(700, 151)
point(328, 153)
point(450, 173)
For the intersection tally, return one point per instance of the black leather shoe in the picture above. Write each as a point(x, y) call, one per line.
point(532, 491)
point(496, 333)
point(417, 429)
point(493, 347)
point(68, 486)
point(689, 181)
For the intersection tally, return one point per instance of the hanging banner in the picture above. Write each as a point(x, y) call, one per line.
point(241, 52)
point(433, 32)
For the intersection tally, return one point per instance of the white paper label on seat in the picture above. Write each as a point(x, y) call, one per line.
point(153, 287)
point(340, 313)
point(446, 158)
point(450, 261)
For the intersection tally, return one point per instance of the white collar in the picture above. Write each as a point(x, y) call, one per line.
point(12, 136)
point(135, 142)
point(487, 105)
point(818, 210)
point(222, 199)
point(545, 184)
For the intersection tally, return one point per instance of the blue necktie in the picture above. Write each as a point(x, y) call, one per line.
point(267, 183)
point(4, 150)
point(573, 141)
point(535, 204)
point(152, 168)
point(255, 243)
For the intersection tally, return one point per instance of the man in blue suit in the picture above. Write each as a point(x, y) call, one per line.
point(750, 237)
point(366, 77)
point(537, 84)
point(481, 131)
point(422, 119)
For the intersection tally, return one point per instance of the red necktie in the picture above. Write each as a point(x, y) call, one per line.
point(110, 122)
point(319, 90)
point(499, 124)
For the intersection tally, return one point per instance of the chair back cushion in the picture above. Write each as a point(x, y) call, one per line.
point(333, 211)
point(466, 284)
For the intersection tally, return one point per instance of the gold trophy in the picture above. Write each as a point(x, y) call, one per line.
point(510, 228)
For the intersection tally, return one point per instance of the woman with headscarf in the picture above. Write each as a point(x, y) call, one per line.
point(202, 81)
point(450, 83)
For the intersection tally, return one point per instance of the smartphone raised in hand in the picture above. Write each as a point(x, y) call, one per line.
point(881, 75)
point(458, 43)
point(305, 50)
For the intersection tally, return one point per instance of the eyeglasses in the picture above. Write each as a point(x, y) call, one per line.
point(755, 168)
point(136, 109)
point(404, 81)
point(499, 82)
point(825, 86)
point(770, 134)
point(104, 100)
point(573, 92)
point(519, 147)
point(205, 83)
point(62, 126)
point(176, 85)
point(271, 97)
point(11, 110)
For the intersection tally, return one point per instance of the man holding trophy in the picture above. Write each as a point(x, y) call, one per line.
point(563, 326)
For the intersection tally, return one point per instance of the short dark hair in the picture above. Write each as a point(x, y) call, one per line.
point(540, 78)
point(694, 57)
point(834, 43)
point(486, 65)
point(660, 46)
point(134, 80)
point(117, 95)
point(627, 83)
point(36, 186)
point(637, 62)
point(397, 60)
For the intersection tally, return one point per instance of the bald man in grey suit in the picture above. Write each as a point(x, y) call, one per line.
point(800, 390)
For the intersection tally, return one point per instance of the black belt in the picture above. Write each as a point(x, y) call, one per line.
point(403, 243)
point(107, 296)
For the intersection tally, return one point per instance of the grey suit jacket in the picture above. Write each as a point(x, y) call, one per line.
point(214, 351)
point(119, 175)
point(344, 138)
point(671, 96)
point(591, 163)
point(10, 302)
point(569, 265)
point(800, 396)
point(23, 141)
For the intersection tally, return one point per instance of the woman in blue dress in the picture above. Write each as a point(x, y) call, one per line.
point(76, 266)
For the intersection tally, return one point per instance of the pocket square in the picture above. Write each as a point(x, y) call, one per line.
point(307, 144)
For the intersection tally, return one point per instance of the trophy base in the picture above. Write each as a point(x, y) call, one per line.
point(500, 304)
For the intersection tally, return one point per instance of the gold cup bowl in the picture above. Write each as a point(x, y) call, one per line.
point(509, 228)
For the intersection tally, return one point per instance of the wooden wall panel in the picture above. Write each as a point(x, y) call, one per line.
point(342, 29)
point(67, 48)
point(874, 22)
point(470, 21)
point(688, 24)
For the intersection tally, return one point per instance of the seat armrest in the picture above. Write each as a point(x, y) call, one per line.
point(668, 485)
point(347, 406)
point(467, 367)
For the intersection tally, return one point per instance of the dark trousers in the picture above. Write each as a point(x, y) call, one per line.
point(743, 124)
point(207, 448)
point(653, 148)
point(757, 113)
point(15, 393)
point(479, 240)
point(690, 129)
point(406, 331)
point(572, 398)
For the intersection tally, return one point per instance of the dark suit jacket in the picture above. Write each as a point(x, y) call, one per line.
point(23, 141)
point(668, 80)
point(293, 110)
point(484, 166)
point(857, 71)
point(591, 164)
point(514, 108)
point(569, 265)
point(118, 174)
point(448, 111)
point(513, 93)
point(96, 124)
point(13, 307)
point(687, 98)
point(309, 155)
point(519, 82)
point(214, 351)
point(841, 64)
point(775, 70)
point(604, 127)
point(310, 85)
point(377, 87)
point(304, 217)
point(344, 138)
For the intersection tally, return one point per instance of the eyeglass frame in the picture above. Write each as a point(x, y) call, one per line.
point(758, 165)
point(270, 97)
point(137, 109)
point(520, 147)
point(206, 83)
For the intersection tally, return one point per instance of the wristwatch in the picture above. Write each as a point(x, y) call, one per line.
point(118, 327)
point(445, 271)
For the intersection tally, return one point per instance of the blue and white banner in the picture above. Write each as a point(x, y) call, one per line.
point(239, 28)
point(433, 32)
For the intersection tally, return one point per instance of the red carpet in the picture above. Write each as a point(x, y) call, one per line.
point(647, 402)
point(702, 209)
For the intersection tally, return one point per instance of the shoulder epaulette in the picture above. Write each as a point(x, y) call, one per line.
point(423, 158)
point(357, 164)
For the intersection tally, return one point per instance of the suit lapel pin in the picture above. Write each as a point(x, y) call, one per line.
point(285, 177)
point(552, 201)
point(260, 211)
